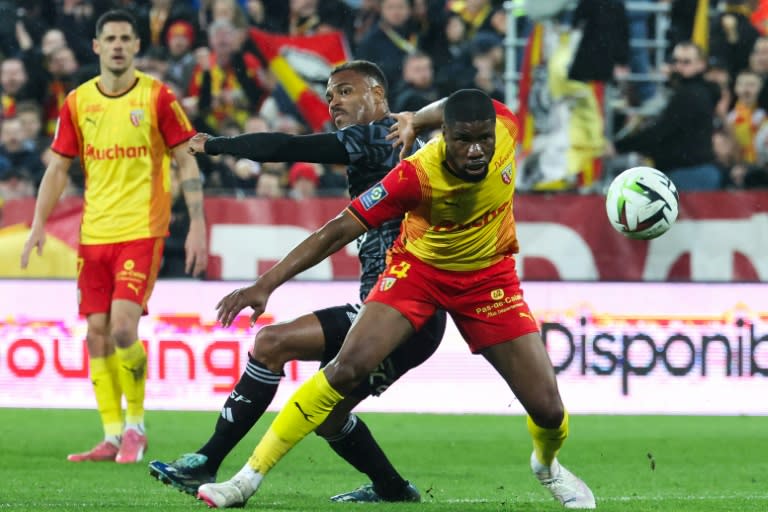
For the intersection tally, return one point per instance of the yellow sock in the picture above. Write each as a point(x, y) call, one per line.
point(133, 378)
point(547, 441)
point(106, 387)
point(303, 413)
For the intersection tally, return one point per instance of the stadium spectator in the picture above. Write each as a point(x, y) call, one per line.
point(13, 84)
point(156, 17)
point(417, 88)
point(229, 10)
point(680, 141)
point(22, 157)
point(63, 76)
point(15, 182)
point(255, 14)
point(391, 39)
point(452, 58)
point(436, 263)
point(358, 105)
point(746, 118)
point(732, 36)
point(77, 19)
point(487, 61)
point(226, 81)
point(181, 61)
point(303, 180)
point(30, 117)
point(269, 184)
point(479, 16)
point(121, 235)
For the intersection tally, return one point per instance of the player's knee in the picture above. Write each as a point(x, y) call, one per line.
point(550, 415)
point(343, 376)
point(124, 334)
point(268, 348)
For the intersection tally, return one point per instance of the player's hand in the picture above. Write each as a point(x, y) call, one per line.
point(195, 249)
point(403, 132)
point(197, 143)
point(35, 240)
point(251, 296)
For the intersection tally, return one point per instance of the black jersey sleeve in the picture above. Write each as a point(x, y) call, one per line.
point(367, 144)
point(322, 148)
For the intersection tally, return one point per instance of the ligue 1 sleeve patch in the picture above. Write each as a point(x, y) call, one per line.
point(373, 196)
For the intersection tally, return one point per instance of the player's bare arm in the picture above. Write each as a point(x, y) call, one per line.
point(53, 184)
point(403, 133)
point(315, 248)
point(195, 246)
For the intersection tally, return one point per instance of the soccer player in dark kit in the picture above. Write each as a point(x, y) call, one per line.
point(356, 95)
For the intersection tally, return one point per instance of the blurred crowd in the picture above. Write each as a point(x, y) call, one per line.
point(427, 49)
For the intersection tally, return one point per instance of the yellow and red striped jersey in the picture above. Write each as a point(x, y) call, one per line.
point(449, 223)
point(124, 145)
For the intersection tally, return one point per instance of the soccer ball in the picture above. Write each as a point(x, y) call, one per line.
point(642, 203)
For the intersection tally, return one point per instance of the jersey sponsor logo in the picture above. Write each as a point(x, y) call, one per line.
point(497, 294)
point(115, 152)
point(387, 283)
point(506, 174)
point(448, 226)
point(137, 116)
point(129, 265)
point(373, 196)
point(93, 109)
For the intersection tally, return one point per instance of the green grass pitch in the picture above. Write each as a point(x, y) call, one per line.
point(460, 464)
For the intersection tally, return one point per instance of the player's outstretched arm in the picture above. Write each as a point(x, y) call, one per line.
point(322, 148)
point(51, 187)
point(315, 248)
point(195, 247)
point(409, 124)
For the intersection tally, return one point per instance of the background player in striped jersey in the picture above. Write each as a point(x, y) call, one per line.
point(455, 252)
point(356, 94)
point(125, 126)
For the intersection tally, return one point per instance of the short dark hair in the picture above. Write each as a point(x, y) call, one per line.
point(467, 105)
point(364, 67)
point(116, 15)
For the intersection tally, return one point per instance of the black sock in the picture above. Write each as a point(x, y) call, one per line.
point(356, 445)
point(246, 404)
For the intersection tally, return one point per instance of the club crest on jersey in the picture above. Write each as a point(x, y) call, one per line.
point(387, 283)
point(373, 196)
point(137, 116)
point(506, 174)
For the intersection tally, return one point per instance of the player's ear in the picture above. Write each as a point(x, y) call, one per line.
point(378, 91)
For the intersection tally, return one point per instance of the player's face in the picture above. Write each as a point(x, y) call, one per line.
point(116, 47)
point(352, 98)
point(469, 147)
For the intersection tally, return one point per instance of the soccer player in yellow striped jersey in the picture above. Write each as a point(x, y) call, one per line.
point(125, 127)
point(455, 252)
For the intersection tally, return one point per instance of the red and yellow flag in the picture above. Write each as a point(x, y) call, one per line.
point(296, 61)
point(531, 60)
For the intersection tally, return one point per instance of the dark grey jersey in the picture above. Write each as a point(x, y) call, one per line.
point(371, 157)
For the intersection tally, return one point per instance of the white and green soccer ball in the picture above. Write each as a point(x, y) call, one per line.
point(642, 203)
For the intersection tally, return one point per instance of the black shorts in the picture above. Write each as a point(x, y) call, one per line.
point(336, 322)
